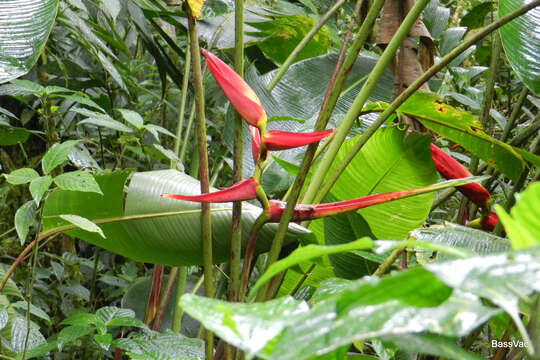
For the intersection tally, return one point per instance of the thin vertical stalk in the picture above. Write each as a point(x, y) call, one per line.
point(178, 312)
point(188, 132)
point(29, 298)
point(185, 81)
point(206, 226)
point(343, 129)
point(514, 115)
point(236, 238)
point(363, 33)
point(329, 182)
point(294, 54)
point(490, 90)
point(173, 275)
point(342, 51)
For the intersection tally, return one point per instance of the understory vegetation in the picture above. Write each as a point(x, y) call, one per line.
point(269, 179)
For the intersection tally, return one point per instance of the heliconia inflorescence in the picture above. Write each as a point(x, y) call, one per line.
point(241, 96)
point(242, 190)
point(248, 105)
point(450, 168)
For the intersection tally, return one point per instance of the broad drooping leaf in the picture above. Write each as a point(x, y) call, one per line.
point(463, 128)
point(521, 42)
point(405, 303)
point(523, 227)
point(24, 28)
point(150, 228)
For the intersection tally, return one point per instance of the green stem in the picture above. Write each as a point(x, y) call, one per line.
point(185, 82)
point(387, 263)
point(343, 129)
point(236, 237)
point(294, 54)
point(488, 94)
point(188, 133)
point(180, 290)
point(329, 182)
point(206, 226)
point(514, 115)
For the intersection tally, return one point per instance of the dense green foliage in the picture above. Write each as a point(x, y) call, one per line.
point(99, 118)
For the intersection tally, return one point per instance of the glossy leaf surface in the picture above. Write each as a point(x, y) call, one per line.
point(24, 28)
point(388, 163)
point(405, 303)
point(149, 228)
point(521, 42)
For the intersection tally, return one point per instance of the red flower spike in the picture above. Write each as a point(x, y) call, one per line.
point(451, 169)
point(241, 96)
point(282, 140)
point(255, 142)
point(242, 190)
point(311, 212)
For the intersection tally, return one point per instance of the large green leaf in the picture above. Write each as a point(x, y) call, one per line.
point(389, 162)
point(150, 228)
point(463, 128)
point(410, 302)
point(24, 28)
point(504, 279)
point(521, 42)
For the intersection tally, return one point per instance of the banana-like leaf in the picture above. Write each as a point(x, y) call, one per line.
point(149, 228)
point(521, 42)
point(24, 28)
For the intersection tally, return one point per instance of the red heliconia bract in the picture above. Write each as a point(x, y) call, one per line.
point(242, 190)
point(282, 140)
point(304, 212)
point(450, 168)
point(241, 96)
point(255, 142)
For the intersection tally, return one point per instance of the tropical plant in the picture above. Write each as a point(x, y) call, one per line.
point(293, 215)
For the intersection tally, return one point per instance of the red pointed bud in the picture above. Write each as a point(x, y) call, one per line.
point(242, 190)
point(255, 142)
point(282, 140)
point(449, 168)
point(241, 96)
point(486, 223)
